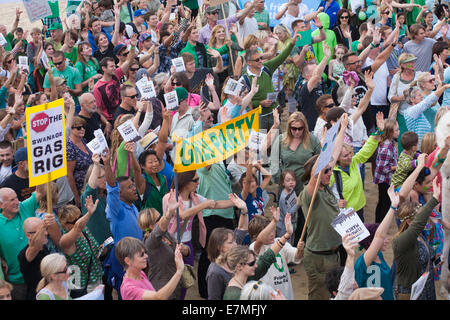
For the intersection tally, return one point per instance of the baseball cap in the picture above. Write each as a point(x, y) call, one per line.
point(182, 93)
point(140, 12)
point(55, 26)
point(21, 155)
point(117, 48)
point(211, 9)
point(144, 36)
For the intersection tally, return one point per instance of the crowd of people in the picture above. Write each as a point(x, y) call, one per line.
point(116, 228)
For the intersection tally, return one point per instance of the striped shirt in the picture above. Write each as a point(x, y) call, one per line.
point(416, 120)
point(386, 159)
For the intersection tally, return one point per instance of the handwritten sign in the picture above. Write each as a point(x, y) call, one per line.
point(146, 88)
point(37, 9)
point(256, 140)
point(348, 222)
point(171, 100)
point(128, 132)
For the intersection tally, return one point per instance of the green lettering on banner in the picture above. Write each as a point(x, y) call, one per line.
point(183, 152)
point(250, 121)
point(208, 153)
point(231, 136)
point(238, 124)
point(215, 141)
point(197, 151)
point(223, 141)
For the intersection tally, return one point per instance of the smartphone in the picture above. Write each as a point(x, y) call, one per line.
point(437, 261)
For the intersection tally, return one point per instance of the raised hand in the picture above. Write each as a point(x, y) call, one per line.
point(173, 204)
point(288, 224)
point(237, 202)
point(349, 245)
point(96, 158)
point(368, 76)
point(421, 160)
point(436, 188)
point(179, 259)
point(393, 195)
point(130, 146)
point(275, 213)
point(380, 120)
point(90, 205)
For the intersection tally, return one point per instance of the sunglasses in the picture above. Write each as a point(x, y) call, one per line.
point(134, 96)
point(387, 12)
point(58, 63)
point(196, 180)
point(357, 61)
point(142, 254)
point(9, 61)
point(134, 69)
point(297, 128)
point(326, 171)
point(344, 17)
point(64, 271)
point(124, 54)
point(251, 264)
point(79, 127)
point(214, 12)
point(74, 221)
point(331, 105)
point(175, 84)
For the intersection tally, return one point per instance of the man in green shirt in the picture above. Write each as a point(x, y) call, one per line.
point(57, 35)
point(261, 15)
point(70, 74)
point(9, 36)
point(12, 237)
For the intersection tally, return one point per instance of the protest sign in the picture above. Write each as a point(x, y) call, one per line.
point(178, 63)
point(215, 144)
point(256, 140)
point(37, 9)
point(272, 96)
point(101, 139)
point(46, 142)
point(95, 146)
point(146, 88)
point(171, 99)
point(348, 222)
point(128, 132)
point(233, 87)
point(3, 41)
point(23, 62)
point(327, 149)
point(304, 39)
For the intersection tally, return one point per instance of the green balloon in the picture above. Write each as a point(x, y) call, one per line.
point(362, 15)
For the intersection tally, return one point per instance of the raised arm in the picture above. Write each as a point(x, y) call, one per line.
point(116, 35)
point(259, 242)
point(408, 184)
point(126, 65)
point(317, 76)
point(93, 178)
point(364, 103)
point(139, 180)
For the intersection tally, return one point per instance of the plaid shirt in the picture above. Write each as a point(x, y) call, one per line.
point(386, 159)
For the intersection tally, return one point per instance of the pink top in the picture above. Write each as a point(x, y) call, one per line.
point(134, 289)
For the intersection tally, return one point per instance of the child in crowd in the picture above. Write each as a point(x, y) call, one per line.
point(407, 159)
point(107, 16)
point(5, 290)
point(336, 67)
point(287, 202)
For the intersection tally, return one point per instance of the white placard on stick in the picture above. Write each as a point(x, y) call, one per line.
point(348, 222)
point(37, 9)
point(233, 87)
point(256, 140)
point(178, 63)
point(146, 88)
point(128, 132)
point(171, 99)
point(327, 149)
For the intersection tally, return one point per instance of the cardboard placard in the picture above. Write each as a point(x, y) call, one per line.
point(23, 62)
point(171, 99)
point(327, 149)
point(178, 63)
point(233, 87)
point(348, 222)
point(128, 132)
point(256, 140)
point(37, 9)
point(272, 96)
point(3, 41)
point(146, 88)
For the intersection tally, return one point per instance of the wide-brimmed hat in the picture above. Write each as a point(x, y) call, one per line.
point(148, 140)
point(366, 293)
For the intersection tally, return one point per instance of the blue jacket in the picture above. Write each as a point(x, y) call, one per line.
point(332, 11)
point(91, 40)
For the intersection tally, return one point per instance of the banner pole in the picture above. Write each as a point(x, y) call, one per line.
point(229, 36)
point(176, 197)
point(311, 205)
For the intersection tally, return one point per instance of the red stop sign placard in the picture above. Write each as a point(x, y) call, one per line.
point(40, 122)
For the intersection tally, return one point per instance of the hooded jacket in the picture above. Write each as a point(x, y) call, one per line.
point(330, 37)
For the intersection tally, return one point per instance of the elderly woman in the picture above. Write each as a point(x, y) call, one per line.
point(427, 83)
point(80, 247)
point(415, 119)
point(78, 158)
point(412, 253)
point(131, 253)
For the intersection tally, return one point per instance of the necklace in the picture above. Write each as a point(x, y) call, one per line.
point(240, 283)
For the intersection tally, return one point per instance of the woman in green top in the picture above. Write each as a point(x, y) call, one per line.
point(412, 253)
point(88, 66)
point(69, 49)
point(78, 244)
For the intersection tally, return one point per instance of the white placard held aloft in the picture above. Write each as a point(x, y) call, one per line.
point(272, 96)
point(45, 60)
point(256, 140)
point(101, 139)
point(171, 99)
point(233, 87)
point(95, 146)
point(37, 9)
point(23, 62)
point(327, 149)
point(178, 63)
point(348, 222)
point(128, 132)
point(3, 41)
point(146, 88)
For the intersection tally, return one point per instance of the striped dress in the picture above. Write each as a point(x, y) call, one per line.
point(415, 119)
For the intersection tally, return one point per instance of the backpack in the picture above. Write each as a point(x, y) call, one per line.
point(338, 179)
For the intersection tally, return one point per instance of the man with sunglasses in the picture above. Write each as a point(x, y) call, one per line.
point(128, 95)
point(71, 75)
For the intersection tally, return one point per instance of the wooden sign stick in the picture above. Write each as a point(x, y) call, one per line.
point(229, 36)
point(311, 205)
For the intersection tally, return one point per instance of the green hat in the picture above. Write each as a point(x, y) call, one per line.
point(182, 93)
point(55, 26)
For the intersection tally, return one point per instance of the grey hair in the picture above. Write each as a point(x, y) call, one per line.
point(159, 78)
point(256, 290)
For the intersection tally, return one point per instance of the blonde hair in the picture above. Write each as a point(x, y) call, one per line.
point(147, 219)
point(428, 143)
point(50, 264)
point(439, 113)
point(297, 116)
point(5, 284)
point(256, 290)
point(213, 39)
point(389, 128)
point(249, 41)
point(421, 77)
point(69, 212)
point(404, 56)
point(235, 256)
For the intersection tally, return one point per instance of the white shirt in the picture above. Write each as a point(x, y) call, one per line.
point(379, 95)
point(5, 172)
point(182, 126)
point(249, 26)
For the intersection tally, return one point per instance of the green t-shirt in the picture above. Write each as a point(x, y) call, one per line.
point(125, 14)
point(412, 16)
point(87, 71)
point(191, 49)
point(98, 224)
point(54, 6)
point(13, 238)
point(354, 46)
point(72, 56)
point(262, 17)
point(71, 75)
point(9, 38)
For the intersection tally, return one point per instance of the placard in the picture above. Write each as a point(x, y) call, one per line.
point(146, 88)
point(101, 139)
point(45, 60)
point(3, 41)
point(272, 96)
point(178, 63)
point(46, 142)
point(327, 149)
point(256, 140)
point(233, 87)
point(348, 222)
point(171, 99)
point(37, 9)
point(128, 132)
point(305, 38)
point(95, 146)
point(23, 62)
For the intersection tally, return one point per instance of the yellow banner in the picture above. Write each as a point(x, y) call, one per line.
point(215, 144)
point(46, 142)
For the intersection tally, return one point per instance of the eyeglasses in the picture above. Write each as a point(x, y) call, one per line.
point(251, 264)
point(124, 54)
point(327, 170)
point(331, 105)
point(79, 127)
point(134, 96)
point(344, 17)
point(9, 61)
point(74, 221)
point(134, 69)
point(196, 179)
point(62, 272)
point(257, 59)
point(357, 61)
point(386, 12)
point(297, 128)
point(58, 63)
point(175, 84)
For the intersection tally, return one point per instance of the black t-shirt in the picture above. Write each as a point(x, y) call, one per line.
point(31, 270)
point(19, 185)
point(107, 53)
point(92, 124)
point(121, 110)
point(198, 79)
point(307, 103)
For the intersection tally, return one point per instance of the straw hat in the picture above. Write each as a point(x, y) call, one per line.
point(366, 294)
point(148, 140)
